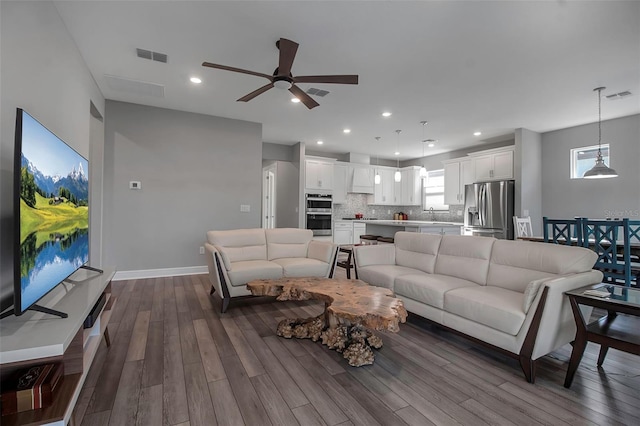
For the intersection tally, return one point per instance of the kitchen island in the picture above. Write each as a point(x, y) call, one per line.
point(388, 228)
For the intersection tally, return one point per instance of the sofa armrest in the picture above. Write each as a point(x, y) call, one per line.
point(557, 325)
point(383, 254)
point(323, 251)
point(217, 272)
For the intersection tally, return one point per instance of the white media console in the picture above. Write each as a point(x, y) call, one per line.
point(35, 338)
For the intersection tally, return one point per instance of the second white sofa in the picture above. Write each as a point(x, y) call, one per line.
point(235, 257)
point(508, 294)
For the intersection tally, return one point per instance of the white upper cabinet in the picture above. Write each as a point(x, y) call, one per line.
point(457, 174)
point(411, 187)
point(493, 164)
point(360, 178)
point(339, 183)
point(383, 192)
point(319, 175)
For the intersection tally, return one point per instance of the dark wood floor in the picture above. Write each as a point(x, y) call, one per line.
point(175, 360)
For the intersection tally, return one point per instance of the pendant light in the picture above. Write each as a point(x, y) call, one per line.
point(600, 170)
point(423, 169)
point(377, 179)
point(397, 176)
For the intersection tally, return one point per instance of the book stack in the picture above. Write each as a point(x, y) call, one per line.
point(31, 388)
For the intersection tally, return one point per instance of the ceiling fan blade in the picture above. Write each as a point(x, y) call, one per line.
point(334, 79)
point(288, 51)
point(247, 98)
point(240, 70)
point(304, 98)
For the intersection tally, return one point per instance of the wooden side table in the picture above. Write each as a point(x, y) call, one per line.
point(619, 329)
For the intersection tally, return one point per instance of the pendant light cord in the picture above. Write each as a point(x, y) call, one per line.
point(599, 89)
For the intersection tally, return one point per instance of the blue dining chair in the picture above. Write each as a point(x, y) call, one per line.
point(562, 231)
point(610, 240)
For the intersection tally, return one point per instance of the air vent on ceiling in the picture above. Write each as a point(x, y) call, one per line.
point(134, 86)
point(153, 56)
point(317, 92)
point(618, 95)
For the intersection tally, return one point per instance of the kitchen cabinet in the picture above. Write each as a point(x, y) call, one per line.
point(343, 232)
point(340, 183)
point(411, 187)
point(359, 228)
point(397, 190)
point(383, 193)
point(493, 164)
point(457, 173)
point(318, 175)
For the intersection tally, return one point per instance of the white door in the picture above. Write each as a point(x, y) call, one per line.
point(269, 197)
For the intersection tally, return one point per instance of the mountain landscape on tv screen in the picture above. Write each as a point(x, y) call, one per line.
point(54, 225)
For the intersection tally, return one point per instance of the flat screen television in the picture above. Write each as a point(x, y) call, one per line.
point(51, 210)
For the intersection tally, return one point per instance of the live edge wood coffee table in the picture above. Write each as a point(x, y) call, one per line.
point(352, 309)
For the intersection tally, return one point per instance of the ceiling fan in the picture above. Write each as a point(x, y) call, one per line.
point(282, 77)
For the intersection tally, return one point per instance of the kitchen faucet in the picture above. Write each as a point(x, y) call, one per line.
point(433, 214)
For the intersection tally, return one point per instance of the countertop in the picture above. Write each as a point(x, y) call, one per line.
point(408, 222)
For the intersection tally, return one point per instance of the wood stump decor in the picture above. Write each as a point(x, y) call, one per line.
point(352, 309)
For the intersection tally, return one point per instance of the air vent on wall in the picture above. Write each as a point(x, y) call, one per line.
point(134, 86)
point(153, 56)
point(317, 92)
point(618, 95)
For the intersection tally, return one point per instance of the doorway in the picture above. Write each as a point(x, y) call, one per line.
point(269, 196)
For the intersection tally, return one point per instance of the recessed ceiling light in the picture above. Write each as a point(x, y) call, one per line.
point(195, 80)
point(346, 131)
point(477, 133)
point(431, 143)
point(396, 153)
point(295, 100)
point(386, 114)
point(320, 142)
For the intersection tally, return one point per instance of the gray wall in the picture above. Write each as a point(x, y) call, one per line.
point(195, 172)
point(596, 198)
point(286, 195)
point(42, 72)
point(527, 173)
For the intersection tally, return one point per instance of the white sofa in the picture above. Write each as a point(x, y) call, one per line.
point(235, 257)
point(507, 294)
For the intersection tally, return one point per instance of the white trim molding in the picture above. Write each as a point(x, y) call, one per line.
point(158, 273)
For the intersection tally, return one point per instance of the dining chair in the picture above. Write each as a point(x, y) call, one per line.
point(522, 227)
point(634, 242)
point(562, 231)
point(610, 240)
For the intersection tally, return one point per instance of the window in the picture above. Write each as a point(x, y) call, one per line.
point(583, 159)
point(434, 191)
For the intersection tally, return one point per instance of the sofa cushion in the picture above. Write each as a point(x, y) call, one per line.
point(239, 245)
point(302, 267)
point(244, 271)
point(428, 288)
point(514, 264)
point(492, 306)
point(464, 257)
point(383, 275)
point(417, 251)
point(287, 242)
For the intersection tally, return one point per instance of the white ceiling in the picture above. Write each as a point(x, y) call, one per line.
point(462, 66)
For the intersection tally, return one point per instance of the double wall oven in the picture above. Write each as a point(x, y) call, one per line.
point(318, 209)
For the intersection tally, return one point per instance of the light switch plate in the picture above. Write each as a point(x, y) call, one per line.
point(135, 184)
point(245, 208)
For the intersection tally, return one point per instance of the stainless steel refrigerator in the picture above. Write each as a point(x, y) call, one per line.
point(488, 209)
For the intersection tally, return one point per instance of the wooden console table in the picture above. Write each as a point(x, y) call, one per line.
point(352, 309)
point(619, 329)
point(35, 338)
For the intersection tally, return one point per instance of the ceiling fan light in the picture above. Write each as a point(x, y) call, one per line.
point(377, 179)
point(295, 100)
point(282, 84)
point(397, 176)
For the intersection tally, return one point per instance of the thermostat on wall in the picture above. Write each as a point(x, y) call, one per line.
point(135, 184)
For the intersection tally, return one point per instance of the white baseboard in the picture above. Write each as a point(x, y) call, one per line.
point(158, 273)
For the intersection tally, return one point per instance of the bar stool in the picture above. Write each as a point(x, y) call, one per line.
point(345, 262)
point(368, 239)
point(385, 240)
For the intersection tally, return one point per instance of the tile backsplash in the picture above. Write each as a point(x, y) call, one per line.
point(357, 203)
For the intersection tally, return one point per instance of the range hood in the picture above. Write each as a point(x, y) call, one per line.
point(360, 179)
